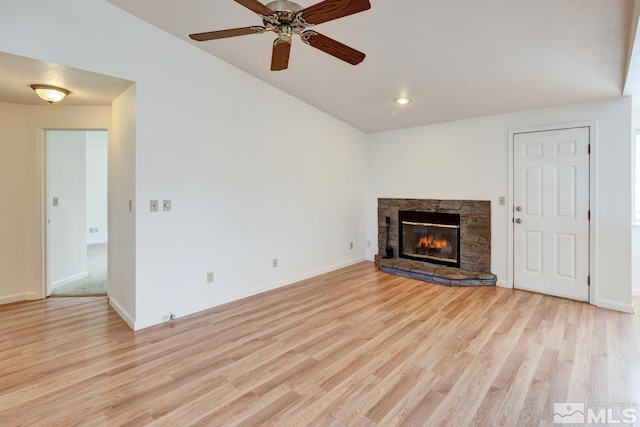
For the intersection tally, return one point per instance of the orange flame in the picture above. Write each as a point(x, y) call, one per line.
point(431, 243)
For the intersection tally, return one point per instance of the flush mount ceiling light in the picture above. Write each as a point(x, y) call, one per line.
point(50, 94)
point(403, 100)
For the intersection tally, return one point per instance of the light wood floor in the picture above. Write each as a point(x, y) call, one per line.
point(353, 347)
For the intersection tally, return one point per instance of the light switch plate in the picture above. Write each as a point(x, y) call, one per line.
point(153, 206)
point(55, 201)
point(166, 205)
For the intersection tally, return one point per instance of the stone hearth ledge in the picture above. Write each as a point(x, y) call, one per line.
point(434, 273)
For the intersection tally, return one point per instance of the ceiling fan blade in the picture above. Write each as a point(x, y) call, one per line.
point(214, 35)
point(280, 55)
point(333, 47)
point(256, 6)
point(329, 10)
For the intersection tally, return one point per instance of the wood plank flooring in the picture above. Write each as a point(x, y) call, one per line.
point(353, 347)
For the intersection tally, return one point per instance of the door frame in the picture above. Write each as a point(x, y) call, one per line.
point(593, 137)
point(40, 245)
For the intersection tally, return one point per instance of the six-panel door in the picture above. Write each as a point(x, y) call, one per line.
point(551, 212)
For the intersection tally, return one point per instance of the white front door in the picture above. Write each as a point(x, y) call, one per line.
point(551, 212)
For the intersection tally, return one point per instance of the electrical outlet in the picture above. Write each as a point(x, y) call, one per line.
point(210, 277)
point(166, 205)
point(95, 229)
point(274, 263)
point(90, 229)
point(350, 245)
point(153, 206)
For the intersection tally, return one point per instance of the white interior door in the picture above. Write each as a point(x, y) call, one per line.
point(66, 241)
point(551, 212)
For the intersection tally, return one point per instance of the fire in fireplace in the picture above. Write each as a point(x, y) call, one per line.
point(430, 236)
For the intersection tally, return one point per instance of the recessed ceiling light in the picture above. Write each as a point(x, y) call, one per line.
point(403, 100)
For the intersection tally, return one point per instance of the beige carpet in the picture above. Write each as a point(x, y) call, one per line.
point(93, 285)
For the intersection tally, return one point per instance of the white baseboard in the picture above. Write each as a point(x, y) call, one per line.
point(635, 292)
point(26, 296)
point(31, 296)
point(612, 305)
point(69, 279)
point(122, 312)
point(205, 305)
point(503, 284)
point(8, 299)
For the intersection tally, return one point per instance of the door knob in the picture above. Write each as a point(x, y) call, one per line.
point(519, 208)
point(518, 220)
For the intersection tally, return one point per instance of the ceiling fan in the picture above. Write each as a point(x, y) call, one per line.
point(286, 18)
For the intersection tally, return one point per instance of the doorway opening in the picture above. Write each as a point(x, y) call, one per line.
point(76, 235)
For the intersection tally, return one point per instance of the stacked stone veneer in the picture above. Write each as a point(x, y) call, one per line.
point(475, 227)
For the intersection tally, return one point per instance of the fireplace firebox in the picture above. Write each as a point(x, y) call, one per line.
point(430, 236)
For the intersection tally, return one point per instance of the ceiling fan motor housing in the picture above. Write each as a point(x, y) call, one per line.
point(284, 7)
point(285, 20)
point(284, 13)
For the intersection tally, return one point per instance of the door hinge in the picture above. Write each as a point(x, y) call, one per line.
point(589, 148)
point(589, 214)
point(588, 280)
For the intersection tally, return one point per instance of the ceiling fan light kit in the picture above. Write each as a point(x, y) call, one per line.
point(286, 18)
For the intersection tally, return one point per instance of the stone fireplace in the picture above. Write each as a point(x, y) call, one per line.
point(441, 241)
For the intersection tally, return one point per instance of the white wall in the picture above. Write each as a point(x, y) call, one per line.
point(468, 160)
point(96, 167)
point(66, 182)
point(16, 203)
point(121, 197)
point(253, 173)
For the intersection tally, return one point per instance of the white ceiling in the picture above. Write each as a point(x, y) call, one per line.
point(87, 89)
point(455, 59)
